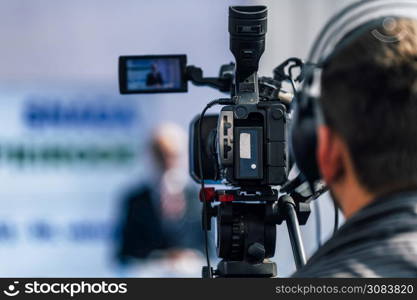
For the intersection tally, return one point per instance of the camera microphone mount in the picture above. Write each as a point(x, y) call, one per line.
point(222, 83)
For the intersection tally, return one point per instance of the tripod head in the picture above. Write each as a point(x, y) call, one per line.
point(246, 228)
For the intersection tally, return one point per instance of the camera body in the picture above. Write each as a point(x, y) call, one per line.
point(245, 145)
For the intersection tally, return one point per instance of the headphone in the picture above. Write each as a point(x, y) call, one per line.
point(307, 112)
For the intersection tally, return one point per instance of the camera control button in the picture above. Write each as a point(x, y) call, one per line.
point(277, 114)
point(241, 112)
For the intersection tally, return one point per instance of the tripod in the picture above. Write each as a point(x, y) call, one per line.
point(246, 230)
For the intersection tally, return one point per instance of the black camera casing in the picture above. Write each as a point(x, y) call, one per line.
point(245, 145)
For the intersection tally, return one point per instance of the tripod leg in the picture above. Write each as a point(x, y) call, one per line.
point(294, 231)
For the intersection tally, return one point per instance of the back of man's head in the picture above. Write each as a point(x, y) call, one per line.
point(369, 97)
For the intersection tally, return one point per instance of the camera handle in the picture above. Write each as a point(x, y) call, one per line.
point(223, 83)
point(269, 88)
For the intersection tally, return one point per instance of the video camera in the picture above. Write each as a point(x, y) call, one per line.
point(244, 147)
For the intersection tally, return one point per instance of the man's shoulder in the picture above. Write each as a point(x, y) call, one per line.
point(380, 241)
point(391, 257)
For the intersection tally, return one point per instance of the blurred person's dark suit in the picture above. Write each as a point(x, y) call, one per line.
point(142, 227)
point(162, 217)
point(145, 230)
point(154, 78)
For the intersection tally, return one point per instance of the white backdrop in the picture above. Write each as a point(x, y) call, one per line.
point(56, 219)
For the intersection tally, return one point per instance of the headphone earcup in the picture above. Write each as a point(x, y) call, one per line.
point(303, 139)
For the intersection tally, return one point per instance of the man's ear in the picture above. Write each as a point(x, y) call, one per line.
point(329, 154)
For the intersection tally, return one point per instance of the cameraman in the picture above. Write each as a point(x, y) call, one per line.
point(367, 152)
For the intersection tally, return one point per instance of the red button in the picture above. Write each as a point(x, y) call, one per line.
point(209, 193)
point(226, 198)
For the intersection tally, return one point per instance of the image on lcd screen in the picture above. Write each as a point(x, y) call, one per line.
point(153, 74)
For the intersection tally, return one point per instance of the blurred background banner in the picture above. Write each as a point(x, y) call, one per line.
point(64, 157)
point(71, 147)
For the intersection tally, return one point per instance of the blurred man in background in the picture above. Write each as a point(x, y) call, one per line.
point(154, 78)
point(162, 218)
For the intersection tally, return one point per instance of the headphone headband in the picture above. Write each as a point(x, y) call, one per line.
point(307, 112)
point(354, 16)
point(340, 25)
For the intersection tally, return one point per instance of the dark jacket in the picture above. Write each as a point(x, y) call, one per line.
point(143, 230)
point(378, 241)
point(154, 79)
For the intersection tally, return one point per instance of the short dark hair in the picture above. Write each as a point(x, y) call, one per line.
point(369, 97)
